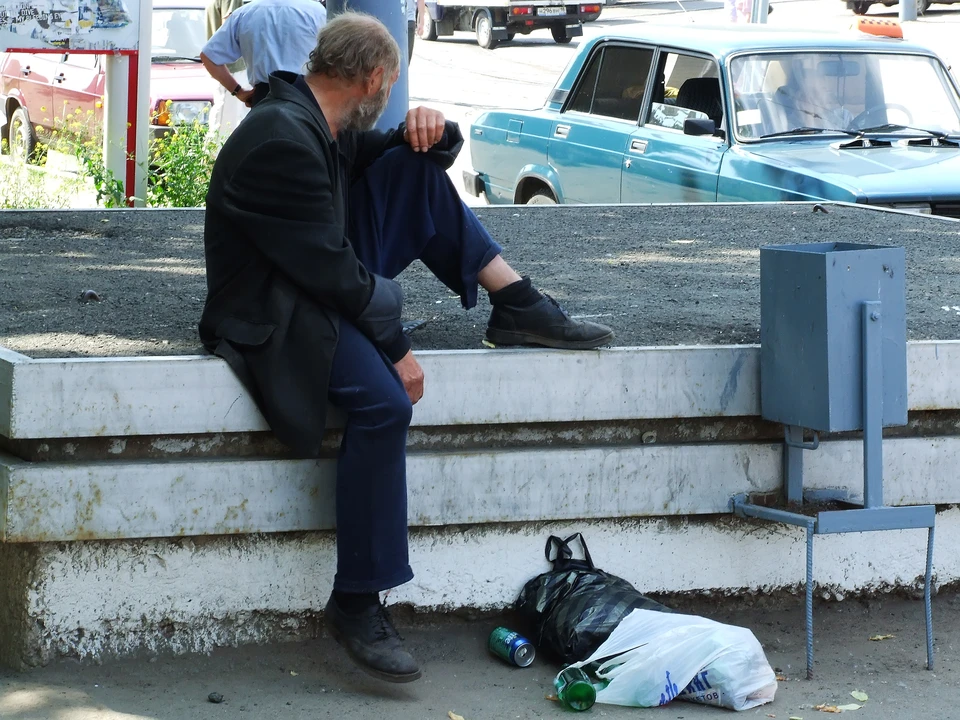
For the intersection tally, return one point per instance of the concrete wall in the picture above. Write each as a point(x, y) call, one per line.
point(137, 520)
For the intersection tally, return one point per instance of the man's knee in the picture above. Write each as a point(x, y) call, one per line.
point(390, 411)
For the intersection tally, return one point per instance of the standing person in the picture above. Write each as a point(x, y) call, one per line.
point(411, 28)
point(227, 111)
point(269, 35)
point(310, 214)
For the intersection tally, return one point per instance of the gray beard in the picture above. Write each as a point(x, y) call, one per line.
point(365, 114)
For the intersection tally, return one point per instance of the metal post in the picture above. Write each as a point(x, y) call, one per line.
point(872, 404)
point(141, 126)
point(793, 463)
point(908, 9)
point(809, 600)
point(115, 114)
point(759, 10)
point(393, 14)
point(927, 614)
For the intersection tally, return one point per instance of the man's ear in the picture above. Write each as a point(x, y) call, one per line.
point(374, 82)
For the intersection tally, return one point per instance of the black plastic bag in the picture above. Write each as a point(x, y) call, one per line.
point(574, 607)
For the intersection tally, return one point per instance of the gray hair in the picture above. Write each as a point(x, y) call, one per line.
point(352, 46)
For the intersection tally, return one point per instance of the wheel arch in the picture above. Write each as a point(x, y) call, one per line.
point(534, 178)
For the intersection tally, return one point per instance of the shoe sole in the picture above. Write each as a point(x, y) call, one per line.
point(510, 337)
point(379, 674)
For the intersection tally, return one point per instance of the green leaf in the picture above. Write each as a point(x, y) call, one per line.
point(859, 695)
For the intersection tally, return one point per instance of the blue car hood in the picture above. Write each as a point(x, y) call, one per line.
point(875, 174)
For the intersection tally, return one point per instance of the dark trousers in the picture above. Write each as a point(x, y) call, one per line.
point(403, 209)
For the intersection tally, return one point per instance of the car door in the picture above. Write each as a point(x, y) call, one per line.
point(661, 163)
point(29, 78)
point(589, 137)
point(78, 91)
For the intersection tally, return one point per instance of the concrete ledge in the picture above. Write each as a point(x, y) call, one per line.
point(118, 396)
point(47, 502)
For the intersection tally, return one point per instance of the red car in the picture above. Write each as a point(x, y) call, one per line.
point(36, 89)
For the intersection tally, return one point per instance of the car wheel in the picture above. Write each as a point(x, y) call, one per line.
point(426, 26)
point(542, 197)
point(860, 7)
point(922, 7)
point(22, 137)
point(485, 31)
point(559, 33)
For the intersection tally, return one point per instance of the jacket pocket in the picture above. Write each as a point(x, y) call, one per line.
point(244, 332)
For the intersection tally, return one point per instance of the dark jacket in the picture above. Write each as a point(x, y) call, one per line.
point(280, 269)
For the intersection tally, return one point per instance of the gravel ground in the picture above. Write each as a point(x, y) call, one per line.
point(659, 275)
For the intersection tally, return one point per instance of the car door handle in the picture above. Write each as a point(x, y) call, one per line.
point(59, 78)
point(638, 146)
point(562, 131)
point(26, 70)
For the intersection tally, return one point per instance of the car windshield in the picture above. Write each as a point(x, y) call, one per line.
point(811, 94)
point(178, 34)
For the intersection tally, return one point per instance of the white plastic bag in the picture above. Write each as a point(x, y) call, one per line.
point(652, 658)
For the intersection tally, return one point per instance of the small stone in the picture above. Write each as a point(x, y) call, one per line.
point(215, 697)
point(89, 296)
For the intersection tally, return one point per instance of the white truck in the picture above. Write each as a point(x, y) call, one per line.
point(500, 20)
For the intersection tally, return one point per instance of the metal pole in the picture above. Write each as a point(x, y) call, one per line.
point(808, 598)
point(141, 126)
point(908, 9)
point(793, 463)
point(927, 615)
point(116, 71)
point(759, 11)
point(872, 404)
point(393, 14)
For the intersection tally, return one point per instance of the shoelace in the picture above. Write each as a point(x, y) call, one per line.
point(385, 629)
point(555, 304)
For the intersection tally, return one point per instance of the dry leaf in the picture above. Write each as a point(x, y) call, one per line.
point(851, 706)
point(453, 716)
point(769, 715)
point(552, 698)
point(781, 678)
point(294, 673)
point(859, 695)
point(827, 708)
point(882, 637)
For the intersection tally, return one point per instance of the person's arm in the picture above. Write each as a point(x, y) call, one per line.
point(424, 130)
point(281, 194)
point(222, 74)
point(221, 49)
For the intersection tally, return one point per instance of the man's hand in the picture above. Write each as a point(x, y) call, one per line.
point(411, 374)
point(424, 128)
point(245, 96)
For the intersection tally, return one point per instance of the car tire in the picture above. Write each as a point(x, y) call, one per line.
point(922, 7)
point(484, 30)
point(542, 197)
point(860, 7)
point(559, 33)
point(22, 138)
point(426, 26)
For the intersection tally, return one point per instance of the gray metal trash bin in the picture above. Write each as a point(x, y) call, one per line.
point(811, 352)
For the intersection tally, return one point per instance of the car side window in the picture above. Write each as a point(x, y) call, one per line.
point(614, 83)
point(84, 60)
point(686, 86)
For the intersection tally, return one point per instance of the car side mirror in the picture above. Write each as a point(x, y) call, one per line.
point(699, 126)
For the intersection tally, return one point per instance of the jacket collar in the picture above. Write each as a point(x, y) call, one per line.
point(282, 88)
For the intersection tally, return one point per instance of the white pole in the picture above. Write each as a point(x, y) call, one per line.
point(115, 114)
point(908, 10)
point(145, 56)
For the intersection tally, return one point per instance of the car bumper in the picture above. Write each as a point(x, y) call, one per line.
point(472, 182)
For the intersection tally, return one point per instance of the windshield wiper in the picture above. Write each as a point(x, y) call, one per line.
point(809, 131)
point(174, 58)
point(938, 135)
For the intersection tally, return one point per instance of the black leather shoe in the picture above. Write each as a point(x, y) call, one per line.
point(372, 642)
point(544, 323)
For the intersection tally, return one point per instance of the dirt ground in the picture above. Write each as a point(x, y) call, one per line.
point(313, 679)
point(660, 275)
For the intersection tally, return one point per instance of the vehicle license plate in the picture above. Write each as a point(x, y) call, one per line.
point(552, 10)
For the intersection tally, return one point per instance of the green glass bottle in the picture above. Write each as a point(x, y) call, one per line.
point(574, 690)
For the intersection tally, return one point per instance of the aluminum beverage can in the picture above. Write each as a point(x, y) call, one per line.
point(511, 646)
